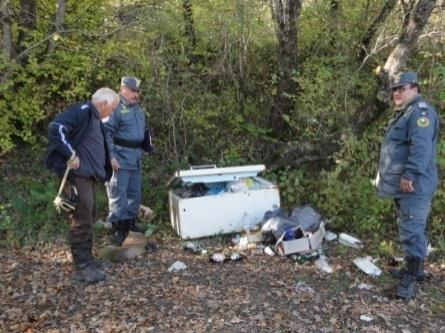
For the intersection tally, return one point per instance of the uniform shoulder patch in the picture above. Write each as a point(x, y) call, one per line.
point(423, 122)
point(84, 106)
point(124, 109)
point(422, 105)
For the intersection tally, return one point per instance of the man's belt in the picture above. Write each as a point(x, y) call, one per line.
point(127, 143)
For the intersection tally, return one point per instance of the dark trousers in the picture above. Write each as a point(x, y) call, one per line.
point(81, 222)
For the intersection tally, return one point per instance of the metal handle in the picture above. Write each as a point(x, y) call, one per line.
point(205, 166)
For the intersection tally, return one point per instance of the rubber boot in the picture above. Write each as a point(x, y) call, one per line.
point(133, 226)
point(122, 231)
point(398, 273)
point(407, 286)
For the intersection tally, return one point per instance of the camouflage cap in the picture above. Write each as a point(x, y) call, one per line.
point(131, 82)
point(404, 78)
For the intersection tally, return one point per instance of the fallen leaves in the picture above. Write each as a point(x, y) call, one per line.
point(257, 294)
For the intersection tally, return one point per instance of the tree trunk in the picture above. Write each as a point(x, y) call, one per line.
point(6, 28)
point(58, 22)
point(370, 33)
point(26, 22)
point(189, 25)
point(324, 148)
point(412, 28)
point(285, 14)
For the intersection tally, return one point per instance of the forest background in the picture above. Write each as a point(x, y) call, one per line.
point(301, 86)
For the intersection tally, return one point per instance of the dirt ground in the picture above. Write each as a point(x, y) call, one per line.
point(257, 294)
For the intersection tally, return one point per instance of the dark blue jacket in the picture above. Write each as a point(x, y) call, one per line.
point(65, 133)
point(409, 151)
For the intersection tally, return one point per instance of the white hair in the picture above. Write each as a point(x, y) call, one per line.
point(105, 94)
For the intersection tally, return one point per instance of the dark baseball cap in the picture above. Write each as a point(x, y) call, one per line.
point(404, 78)
point(131, 82)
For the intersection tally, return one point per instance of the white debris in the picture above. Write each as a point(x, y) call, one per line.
point(177, 266)
point(323, 265)
point(364, 286)
point(268, 250)
point(366, 264)
point(366, 318)
point(348, 240)
point(330, 236)
point(303, 287)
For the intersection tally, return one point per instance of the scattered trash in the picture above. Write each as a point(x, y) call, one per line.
point(330, 236)
point(367, 265)
point(364, 286)
point(150, 230)
point(192, 247)
point(348, 240)
point(177, 266)
point(268, 250)
point(366, 318)
point(146, 213)
point(218, 258)
point(236, 256)
point(303, 287)
point(301, 244)
point(236, 240)
point(323, 265)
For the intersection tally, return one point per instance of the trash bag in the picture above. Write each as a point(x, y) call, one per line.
point(277, 226)
point(306, 218)
point(277, 212)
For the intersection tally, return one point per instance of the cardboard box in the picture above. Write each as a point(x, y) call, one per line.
point(309, 242)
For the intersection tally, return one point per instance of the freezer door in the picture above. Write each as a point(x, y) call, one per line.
point(214, 175)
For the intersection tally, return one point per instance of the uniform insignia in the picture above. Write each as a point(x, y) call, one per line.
point(422, 105)
point(124, 110)
point(423, 122)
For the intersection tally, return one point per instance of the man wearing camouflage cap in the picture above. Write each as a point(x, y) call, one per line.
point(408, 174)
point(126, 136)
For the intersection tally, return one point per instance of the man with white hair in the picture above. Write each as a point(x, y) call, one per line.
point(76, 142)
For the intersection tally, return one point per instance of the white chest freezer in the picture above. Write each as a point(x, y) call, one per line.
point(209, 201)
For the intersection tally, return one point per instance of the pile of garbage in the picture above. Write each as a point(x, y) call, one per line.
point(298, 236)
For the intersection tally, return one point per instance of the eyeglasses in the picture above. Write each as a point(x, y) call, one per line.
point(401, 89)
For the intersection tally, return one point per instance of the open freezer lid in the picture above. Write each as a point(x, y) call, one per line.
point(212, 174)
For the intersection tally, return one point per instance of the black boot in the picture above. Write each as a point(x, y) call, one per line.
point(122, 231)
point(85, 270)
point(407, 286)
point(398, 273)
point(133, 226)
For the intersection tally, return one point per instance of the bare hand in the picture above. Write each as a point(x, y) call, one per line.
point(74, 163)
point(406, 186)
point(115, 164)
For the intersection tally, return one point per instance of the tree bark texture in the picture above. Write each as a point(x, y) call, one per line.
point(26, 21)
point(6, 28)
point(285, 14)
point(396, 61)
point(58, 21)
point(369, 35)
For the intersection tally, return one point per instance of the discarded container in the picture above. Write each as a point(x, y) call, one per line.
point(330, 236)
point(348, 240)
point(309, 241)
point(323, 265)
point(367, 265)
point(177, 266)
point(269, 251)
point(192, 247)
point(205, 215)
point(236, 256)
